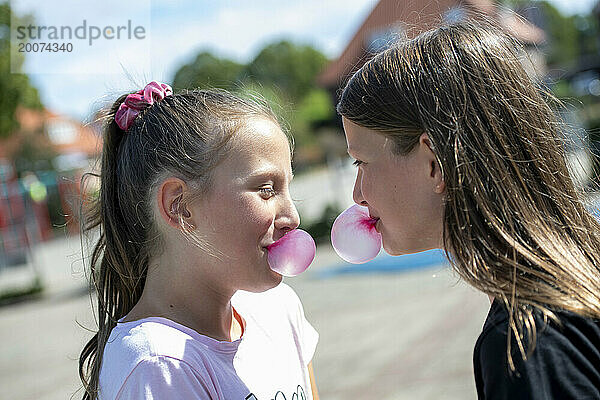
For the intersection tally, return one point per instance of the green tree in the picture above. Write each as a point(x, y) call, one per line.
point(290, 67)
point(289, 70)
point(589, 32)
point(16, 88)
point(282, 74)
point(563, 37)
point(568, 37)
point(208, 70)
point(316, 108)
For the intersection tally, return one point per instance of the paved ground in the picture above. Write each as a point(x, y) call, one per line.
point(392, 336)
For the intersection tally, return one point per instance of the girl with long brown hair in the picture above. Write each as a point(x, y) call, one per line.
point(194, 190)
point(457, 148)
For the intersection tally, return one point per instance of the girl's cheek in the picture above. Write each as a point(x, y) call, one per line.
point(257, 211)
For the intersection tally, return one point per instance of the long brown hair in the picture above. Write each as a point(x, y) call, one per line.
point(514, 225)
point(185, 135)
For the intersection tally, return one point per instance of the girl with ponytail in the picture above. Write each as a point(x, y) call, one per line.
point(194, 189)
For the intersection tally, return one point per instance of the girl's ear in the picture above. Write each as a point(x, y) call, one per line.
point(435, 170)
point(171, 207)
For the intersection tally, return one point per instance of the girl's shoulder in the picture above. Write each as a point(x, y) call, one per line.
point(158, 336)
point(570, 326)
point(150, 344)
point(565, 362)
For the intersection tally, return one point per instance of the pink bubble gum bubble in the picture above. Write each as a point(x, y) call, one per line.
point(354, 237)
point(292, 254)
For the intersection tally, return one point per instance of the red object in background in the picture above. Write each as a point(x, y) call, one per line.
point(42, 217)
point(68, 189)
point(13, 229)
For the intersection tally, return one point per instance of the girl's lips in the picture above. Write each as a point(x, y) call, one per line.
point(377, 225)
point(292, 254)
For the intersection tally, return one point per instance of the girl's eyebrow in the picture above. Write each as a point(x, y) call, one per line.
point(268, 172)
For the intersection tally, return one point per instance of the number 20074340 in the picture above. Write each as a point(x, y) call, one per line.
point(45, 46)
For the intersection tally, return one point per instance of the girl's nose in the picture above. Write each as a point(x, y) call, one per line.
point(288, 218)
point(357, 192)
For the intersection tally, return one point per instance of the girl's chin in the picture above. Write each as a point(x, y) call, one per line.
point(273, 280)
point(389, 249)
point(394, 248)
point(393, 252)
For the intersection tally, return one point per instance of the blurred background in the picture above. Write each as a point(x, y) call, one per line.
point(393, 328)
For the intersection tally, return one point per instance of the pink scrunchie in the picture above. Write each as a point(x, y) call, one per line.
point(136, 102)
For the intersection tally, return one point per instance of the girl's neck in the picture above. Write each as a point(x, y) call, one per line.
point(202, 308)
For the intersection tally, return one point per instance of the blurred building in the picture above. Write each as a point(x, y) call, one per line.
point(391, 20)
point(40, 169)
point(70, 144)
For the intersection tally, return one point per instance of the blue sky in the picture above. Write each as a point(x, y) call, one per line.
point(177, 31)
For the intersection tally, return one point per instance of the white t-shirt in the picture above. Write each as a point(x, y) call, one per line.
point(156, 358)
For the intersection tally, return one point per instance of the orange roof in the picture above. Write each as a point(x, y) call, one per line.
point(37, 125)
point(411, 18)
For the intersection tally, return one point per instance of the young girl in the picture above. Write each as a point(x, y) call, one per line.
point(458, 149)
point(194, 188)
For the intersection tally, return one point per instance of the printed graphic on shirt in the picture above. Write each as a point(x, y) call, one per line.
point(299, 395)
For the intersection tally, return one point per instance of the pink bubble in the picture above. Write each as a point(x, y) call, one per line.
point(292, 254)
point(354, 237)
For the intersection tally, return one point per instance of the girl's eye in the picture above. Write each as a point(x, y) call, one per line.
point(267, 191)
point(356, 163)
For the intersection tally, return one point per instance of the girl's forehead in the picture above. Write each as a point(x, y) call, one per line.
point(262, 138)
point(261, 132)
point(258, 148)
point(363, 141)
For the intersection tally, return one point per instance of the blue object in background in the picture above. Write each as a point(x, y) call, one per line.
point(595, 210)
point(385, 263)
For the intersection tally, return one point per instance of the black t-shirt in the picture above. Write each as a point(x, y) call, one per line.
point(565, 363)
